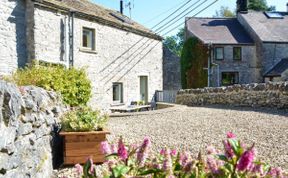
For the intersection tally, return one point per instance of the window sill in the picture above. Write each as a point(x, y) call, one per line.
point(85, 50)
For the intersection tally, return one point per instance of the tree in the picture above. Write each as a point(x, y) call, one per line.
point(175, 42)
point(224, 12)
point(260, 5)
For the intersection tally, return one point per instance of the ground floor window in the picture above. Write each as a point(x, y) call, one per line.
point(230, 78)
point(118, 92)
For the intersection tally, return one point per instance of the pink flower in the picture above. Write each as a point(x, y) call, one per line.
point(143, 151)
point(276, 173)
point(212, 164)
point(79, 169)
point(228, 149)
point(106, 148)
point(211, 150)
point(246, 160)
point(91, 170)
point(114, 148)
point(122, 151)
point(183, 159)
point(162, 151)
point(174, 152)
point(167, 163)
point(230, 135)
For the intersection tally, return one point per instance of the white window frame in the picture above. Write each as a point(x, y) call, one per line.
point(87, 49)
point(216, 52)
point(121, 93)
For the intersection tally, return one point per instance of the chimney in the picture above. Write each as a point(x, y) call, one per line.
point(121, 6)
point(242, 6)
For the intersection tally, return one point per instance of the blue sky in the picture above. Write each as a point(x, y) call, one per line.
point(150, 12)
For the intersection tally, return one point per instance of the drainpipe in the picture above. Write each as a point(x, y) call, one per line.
point(71, 38)
point(209, 64)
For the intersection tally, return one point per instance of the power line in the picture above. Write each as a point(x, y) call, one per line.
point(191, 17)
point(172, 20)
point(162, 13)
point(172, 13)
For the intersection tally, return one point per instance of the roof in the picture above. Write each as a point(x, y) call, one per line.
point(278, 69)
point(218, 31)
point(268, 29)
point(87, 9)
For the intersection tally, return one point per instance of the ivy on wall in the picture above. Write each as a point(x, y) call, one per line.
point(194, 60)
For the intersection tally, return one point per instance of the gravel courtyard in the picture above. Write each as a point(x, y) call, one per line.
point(194, 128)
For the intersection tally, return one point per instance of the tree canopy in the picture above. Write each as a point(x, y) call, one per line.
point(224, 11)
point(175, 43)
point(259, 5)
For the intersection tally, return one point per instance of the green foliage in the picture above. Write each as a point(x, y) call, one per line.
point(193, 61)
point(83, 119)
point(224, 12)
point(259, 5)
point(175, 43)
point(73, 84)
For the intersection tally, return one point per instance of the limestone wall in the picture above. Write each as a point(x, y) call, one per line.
point(250, 95)
point(12, 35)
point(28, 116)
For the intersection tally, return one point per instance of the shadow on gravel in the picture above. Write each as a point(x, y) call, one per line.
point(266, 110)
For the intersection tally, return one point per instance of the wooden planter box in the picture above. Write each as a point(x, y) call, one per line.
point(78, 146)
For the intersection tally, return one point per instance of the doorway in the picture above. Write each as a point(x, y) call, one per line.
point(144, 88)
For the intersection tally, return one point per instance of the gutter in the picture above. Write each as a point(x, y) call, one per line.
point(98, 19)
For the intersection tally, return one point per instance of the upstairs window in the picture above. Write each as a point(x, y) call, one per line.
point(88, 38)
point(219, 53)
point(237, 53)
point(117, 92)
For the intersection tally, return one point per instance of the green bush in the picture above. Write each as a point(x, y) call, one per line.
point(83, 119)
point(73, 84)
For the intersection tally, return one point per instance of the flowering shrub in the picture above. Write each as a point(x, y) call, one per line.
point(83, 119)
point(237, 161)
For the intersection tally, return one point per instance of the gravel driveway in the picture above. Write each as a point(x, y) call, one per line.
point(194, 128)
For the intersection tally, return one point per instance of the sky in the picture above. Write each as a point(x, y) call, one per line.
point(151, 12)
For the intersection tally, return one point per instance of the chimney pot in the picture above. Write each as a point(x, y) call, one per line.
point(121, 6)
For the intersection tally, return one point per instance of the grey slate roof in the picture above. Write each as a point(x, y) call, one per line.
point(218, 31)
point(87, 9)
point(267, 29)
point(278, 69)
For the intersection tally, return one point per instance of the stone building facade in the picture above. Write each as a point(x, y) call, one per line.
point(123, 59)
point(12, 36)
point(258, 41)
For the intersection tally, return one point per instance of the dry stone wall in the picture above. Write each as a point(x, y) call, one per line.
point(28, 116)
point(248, 95)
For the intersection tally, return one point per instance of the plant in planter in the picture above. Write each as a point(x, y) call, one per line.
point(83, 131)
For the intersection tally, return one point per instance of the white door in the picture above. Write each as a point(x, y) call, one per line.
point(144, 88)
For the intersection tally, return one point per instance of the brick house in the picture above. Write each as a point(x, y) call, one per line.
point(244, 49)
point(124, 60)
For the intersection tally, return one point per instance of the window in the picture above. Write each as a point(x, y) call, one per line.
point(118, 92)
point(230, 78)
point(88, 38)
point(237, 53)
point(219, 53)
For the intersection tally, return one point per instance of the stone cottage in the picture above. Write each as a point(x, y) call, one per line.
point(244, 49)
point(124, 60)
